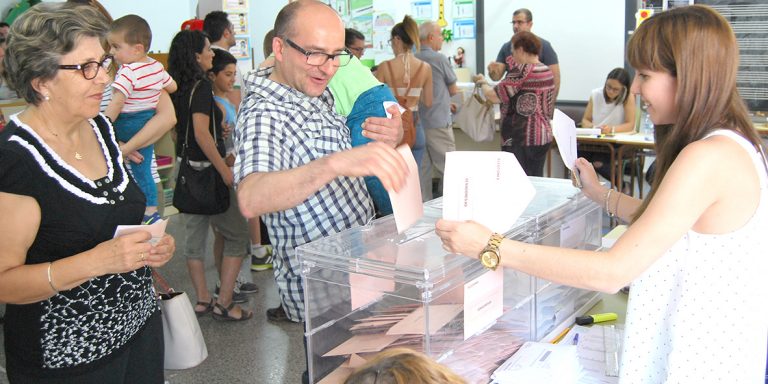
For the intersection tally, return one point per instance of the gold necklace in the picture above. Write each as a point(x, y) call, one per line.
point(78, 156)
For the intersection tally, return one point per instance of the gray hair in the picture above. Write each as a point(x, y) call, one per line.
point(425, 29)
point(40, 37)
point(526, 12)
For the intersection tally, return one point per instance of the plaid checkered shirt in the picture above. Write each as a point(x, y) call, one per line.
point(279, 128)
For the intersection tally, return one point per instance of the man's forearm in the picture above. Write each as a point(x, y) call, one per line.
point(265, 192)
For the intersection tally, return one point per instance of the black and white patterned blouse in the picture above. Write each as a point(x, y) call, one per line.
point(78, 329)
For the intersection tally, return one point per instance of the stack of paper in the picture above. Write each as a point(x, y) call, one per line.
point(540, 363)
point(588, 131)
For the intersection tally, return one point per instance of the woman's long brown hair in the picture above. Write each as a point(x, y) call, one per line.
point(696, 45)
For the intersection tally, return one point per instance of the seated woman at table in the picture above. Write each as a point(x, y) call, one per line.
point(696, 248)
point(612, 109)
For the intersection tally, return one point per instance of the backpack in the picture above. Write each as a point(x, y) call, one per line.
point(409, 119)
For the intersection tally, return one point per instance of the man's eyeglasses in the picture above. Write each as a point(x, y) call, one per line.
point(90, 69)
point(319, 58)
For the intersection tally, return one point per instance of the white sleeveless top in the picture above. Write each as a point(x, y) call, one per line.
point(605, 113)
point(698, 314)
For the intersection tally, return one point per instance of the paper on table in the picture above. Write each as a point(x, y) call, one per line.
point(406, 203)
point(413, 324)
point(156, 229)
point(363, 344)
point(564, 130)
point(540, 363)
point(488, 187)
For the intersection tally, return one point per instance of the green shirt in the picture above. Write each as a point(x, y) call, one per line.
point(349, 82)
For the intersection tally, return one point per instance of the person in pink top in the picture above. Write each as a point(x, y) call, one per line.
point(138, 83)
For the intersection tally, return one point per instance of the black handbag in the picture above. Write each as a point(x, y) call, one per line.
point(199, 191)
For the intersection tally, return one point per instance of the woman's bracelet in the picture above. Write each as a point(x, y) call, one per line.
point(50, 279)
point(607, 200)
point(616, 208)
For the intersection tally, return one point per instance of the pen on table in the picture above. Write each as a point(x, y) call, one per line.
point(560, 335)
point(596, 318)
point(576, 339)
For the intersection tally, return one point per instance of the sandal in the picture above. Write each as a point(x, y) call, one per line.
point(208, 307)
point(224, 315)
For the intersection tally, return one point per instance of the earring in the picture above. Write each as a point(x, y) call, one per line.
point(46, 97)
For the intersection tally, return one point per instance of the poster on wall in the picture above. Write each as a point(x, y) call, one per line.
point(361, 17)
point(421, 10)
point(340, 6)
point(239, 22)
point(463, 29)
point(463, 9)
point(382, 30)
point(235, 5)
point(242, 47)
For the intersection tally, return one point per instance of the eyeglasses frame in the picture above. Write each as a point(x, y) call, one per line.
point(328, 57)
point(82, 67)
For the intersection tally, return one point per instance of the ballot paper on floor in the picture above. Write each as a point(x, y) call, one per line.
point(488, 187)
point(540, 363)
point(564, 130)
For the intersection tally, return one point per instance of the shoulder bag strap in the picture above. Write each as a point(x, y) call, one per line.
point(189, 119)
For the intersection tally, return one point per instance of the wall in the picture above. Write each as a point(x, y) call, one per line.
point(588, 36)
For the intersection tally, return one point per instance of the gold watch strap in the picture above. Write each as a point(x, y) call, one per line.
point(495, 240)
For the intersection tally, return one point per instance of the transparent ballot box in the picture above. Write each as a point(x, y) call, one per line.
point(369, 288)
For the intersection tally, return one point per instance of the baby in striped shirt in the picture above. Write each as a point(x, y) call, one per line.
point(136, 91)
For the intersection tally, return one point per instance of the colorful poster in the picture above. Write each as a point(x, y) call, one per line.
point(463, 9)
point(239, 22)
point(242, 47)
point(421, 10)
point(464, 29)
point(234, 5)
point(340, 6)
point(361, 17)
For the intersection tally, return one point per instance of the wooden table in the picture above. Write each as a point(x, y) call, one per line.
point(618, 147)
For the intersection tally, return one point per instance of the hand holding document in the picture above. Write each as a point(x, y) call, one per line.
point(406, 203)
point(564, 130)
point(490, 188)
point(157, 230)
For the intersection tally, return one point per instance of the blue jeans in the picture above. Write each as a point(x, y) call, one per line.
point(126, 126)
point(420, 145)
point(369, 104)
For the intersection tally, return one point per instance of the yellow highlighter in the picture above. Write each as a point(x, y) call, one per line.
point(596, 318)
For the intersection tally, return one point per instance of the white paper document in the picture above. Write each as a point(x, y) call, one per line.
point(564, 130)
point(540, 363)
point(406, 203)
point(157, 230)
point(488, 187)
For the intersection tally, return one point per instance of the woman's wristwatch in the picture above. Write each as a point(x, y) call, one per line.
point(490, 256)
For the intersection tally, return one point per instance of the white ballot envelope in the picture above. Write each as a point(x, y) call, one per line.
point(486, 186)
point(564, 130)
point(157, 230)
point(406, 203)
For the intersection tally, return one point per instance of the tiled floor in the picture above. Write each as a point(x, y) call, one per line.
point(254, 351)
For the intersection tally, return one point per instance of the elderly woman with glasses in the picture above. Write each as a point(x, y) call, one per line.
point(81, 307)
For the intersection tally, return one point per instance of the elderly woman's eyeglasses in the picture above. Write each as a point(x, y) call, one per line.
point(319, 58)
point(90, 69)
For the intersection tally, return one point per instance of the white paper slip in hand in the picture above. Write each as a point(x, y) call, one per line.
point(406, 203)
point(488, 187)
point(156, 229)
point(564, 130)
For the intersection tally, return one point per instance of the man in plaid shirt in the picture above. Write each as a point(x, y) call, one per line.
point(295, 164)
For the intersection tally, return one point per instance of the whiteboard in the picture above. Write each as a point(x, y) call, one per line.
point(588, 36)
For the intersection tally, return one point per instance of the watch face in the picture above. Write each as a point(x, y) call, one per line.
point(490, 259)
